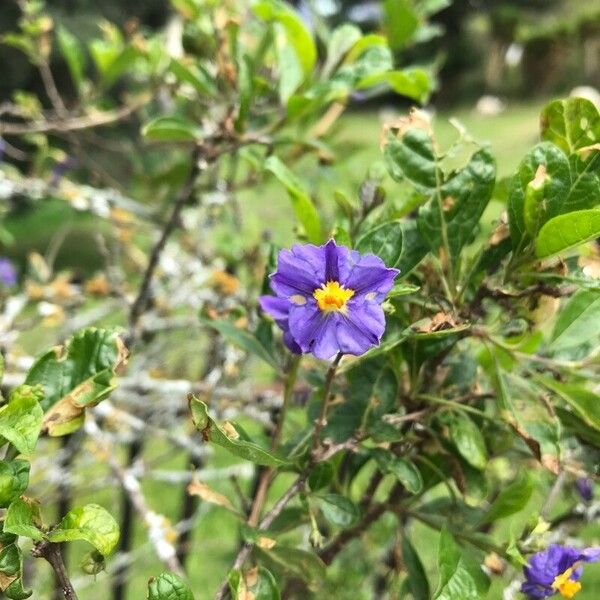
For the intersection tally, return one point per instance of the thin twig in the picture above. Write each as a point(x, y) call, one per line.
point(141, 301)
point(322, 419)
point(51, 552)
point(244, 552)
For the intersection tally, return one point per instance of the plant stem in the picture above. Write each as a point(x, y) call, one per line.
point(246, 549)
point(322, 420)
point(244, 552)
point(52, 554)
point(453, 404)
point(267, 474)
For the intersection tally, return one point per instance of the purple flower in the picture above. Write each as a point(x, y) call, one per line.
point(556, 570)
point(328, 299)
point(8, 273)
point(585, 488)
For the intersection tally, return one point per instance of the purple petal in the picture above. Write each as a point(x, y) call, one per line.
point(590, 555)
point(337, 261)
point(278, 308)
point(290, 342)
point(362, 328)
point(534, 590)
point(369, 274)
point(300, 270)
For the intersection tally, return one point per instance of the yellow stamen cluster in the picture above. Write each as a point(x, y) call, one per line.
point(331, 296)
point(565, 585)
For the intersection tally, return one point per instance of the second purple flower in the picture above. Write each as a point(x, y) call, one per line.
point(328, 299)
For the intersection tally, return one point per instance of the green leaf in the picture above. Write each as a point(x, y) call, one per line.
point(401, 22)
point(567, 231)
point(246, 90)
point(171, 129)
point(77, 375)
point(403, 289)
point(73, 53)
point(403, 469)
point(306, 565)
point(384, 241)
point(21, 518)
point(548, 184)
point(260, 587)
point(90, 523)
point(455, 202)
point(511, 499)
point(584, 402)
point(242, 338)
point(320, 476)
point(211, 432)
point(417, 577)
point(14, 479)
point(467, 438)
point(302, 203)
point(296, 49)
point(458, 204)
point(413, 83)
point(571, 124)
point(340, 42)
point(193, 75)
point(578, 322)
point(11, 570)
point(168, 586)
point(21, 419)
point(338, 510)
point(576, 426)
point(112, 59)
point(461, 576)
point(297, 35)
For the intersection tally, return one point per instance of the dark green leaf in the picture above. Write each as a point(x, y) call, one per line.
point(320, 476)
point(467, 438)
point(338, 510)
point(168, 586)
point(384, 241)
point(417, 578)
point(403, 469)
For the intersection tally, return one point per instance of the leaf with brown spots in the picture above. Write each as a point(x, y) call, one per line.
point(77, 375)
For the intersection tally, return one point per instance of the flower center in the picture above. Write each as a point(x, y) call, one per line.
point(565, 585)
point(331, 296)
